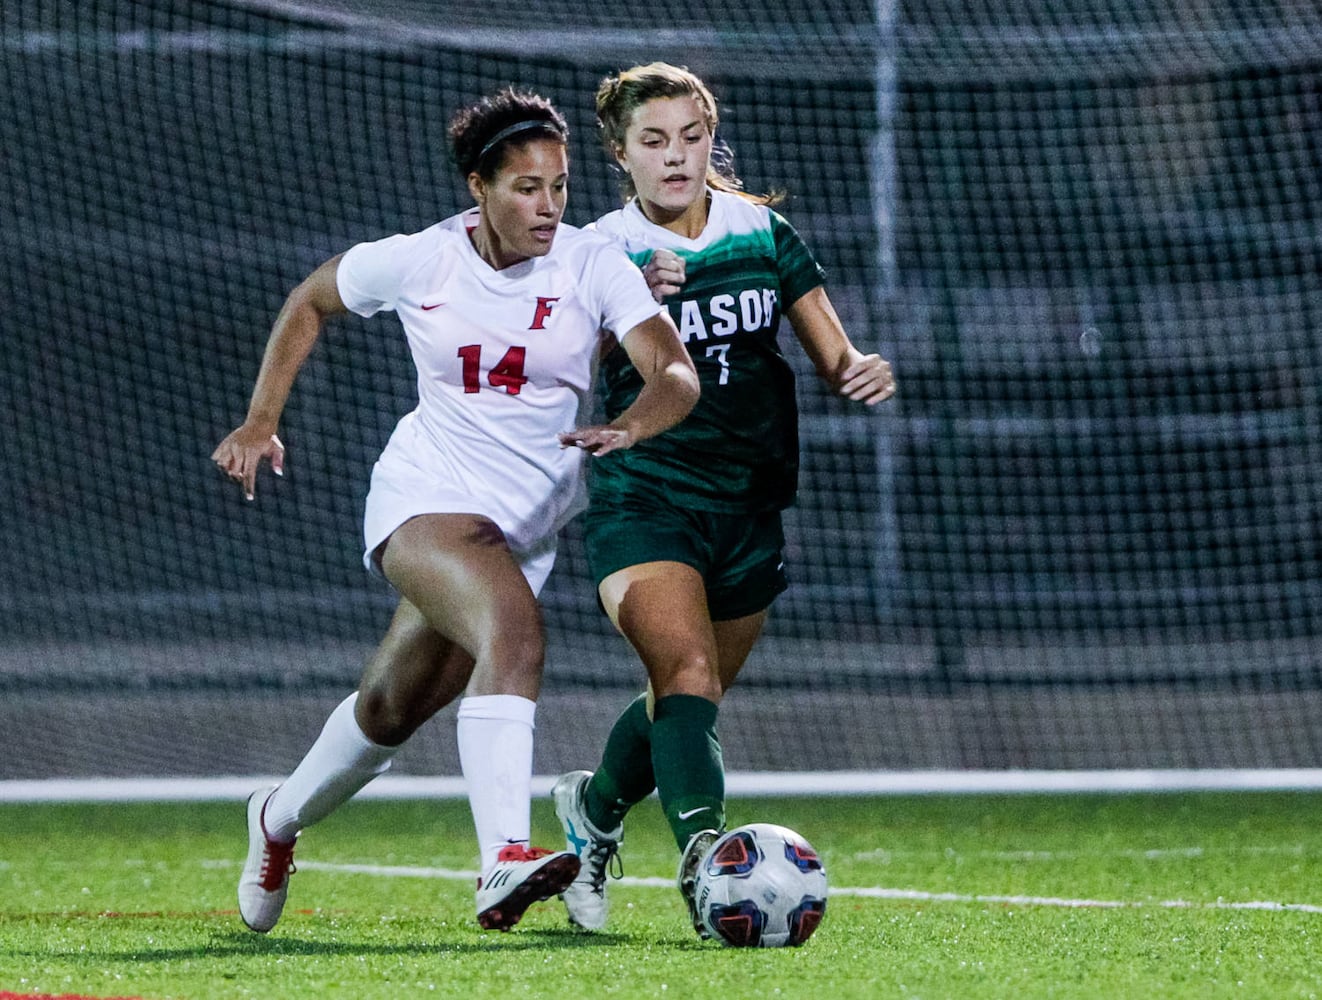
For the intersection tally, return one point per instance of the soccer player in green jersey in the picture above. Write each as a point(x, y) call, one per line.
point(683, 531)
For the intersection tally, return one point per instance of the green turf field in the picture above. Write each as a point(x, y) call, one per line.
point(1168, 895)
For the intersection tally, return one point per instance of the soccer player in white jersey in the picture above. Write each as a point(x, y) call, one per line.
point(503, 307)
point(684, 533)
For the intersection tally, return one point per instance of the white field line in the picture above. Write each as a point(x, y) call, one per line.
point(1132, 854)
point(748, 783)
point(1078, 904)
point(866, 892)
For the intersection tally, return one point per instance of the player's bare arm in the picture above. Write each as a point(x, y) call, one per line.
point(670, 388)
point(864, 378)
point(293, 335)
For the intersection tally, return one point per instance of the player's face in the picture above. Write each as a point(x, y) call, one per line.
point(667, 149)
point(523, 203)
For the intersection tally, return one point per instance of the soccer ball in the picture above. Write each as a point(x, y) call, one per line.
point(761, 886)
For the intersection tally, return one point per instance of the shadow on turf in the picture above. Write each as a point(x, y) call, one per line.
point(241, 944)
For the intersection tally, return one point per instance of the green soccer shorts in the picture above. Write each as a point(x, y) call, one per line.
point(740, 556)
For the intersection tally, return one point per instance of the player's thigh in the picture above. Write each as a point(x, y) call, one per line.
point(661, 608)
point(735, 639)
point(459, 572)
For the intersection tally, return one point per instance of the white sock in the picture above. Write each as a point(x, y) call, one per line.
point(495, 752)
point(340, 762)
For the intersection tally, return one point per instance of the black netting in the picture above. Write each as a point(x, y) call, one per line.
point(1084, 535)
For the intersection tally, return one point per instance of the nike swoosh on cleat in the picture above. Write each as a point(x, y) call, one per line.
point(692, 812)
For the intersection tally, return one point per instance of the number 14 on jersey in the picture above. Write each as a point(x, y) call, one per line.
point(507, 373)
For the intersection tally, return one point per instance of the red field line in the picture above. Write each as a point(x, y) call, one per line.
point(126, 915)
point(59, 996)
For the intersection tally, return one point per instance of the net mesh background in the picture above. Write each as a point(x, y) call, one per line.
point(1084, 535)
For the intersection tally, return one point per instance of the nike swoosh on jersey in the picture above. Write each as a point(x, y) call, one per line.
point(434, 305)
point(692, 812)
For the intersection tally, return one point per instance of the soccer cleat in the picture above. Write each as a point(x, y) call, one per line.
point(687, 878)
point(585, 897)
point(520, 877)
point(265, 879)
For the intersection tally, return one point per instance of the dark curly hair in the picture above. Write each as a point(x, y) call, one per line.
point(481, 133)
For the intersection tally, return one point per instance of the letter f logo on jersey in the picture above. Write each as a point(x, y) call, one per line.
point(543, 312)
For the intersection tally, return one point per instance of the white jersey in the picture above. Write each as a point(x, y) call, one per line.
point(505, 361)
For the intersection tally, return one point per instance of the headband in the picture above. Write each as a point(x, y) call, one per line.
point(515, 129)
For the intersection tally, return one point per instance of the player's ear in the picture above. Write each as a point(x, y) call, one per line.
point(477, 187)
point(620, 157)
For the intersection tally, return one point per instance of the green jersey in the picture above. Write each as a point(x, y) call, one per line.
point(738, 450)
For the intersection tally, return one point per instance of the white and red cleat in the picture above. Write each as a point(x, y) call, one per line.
point(265, 879)
point(520, 877)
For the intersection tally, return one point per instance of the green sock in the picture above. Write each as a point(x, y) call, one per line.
point(625, 776)
point(686, 757)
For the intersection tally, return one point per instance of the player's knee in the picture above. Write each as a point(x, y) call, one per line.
point(384, 717)
point(692, 672)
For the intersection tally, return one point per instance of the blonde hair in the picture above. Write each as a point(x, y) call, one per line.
point(620, 96)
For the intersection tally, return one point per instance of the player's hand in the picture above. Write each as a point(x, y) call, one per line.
point(241, 453)
point(868, 380)
point(597, 441)
point(664, 273)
